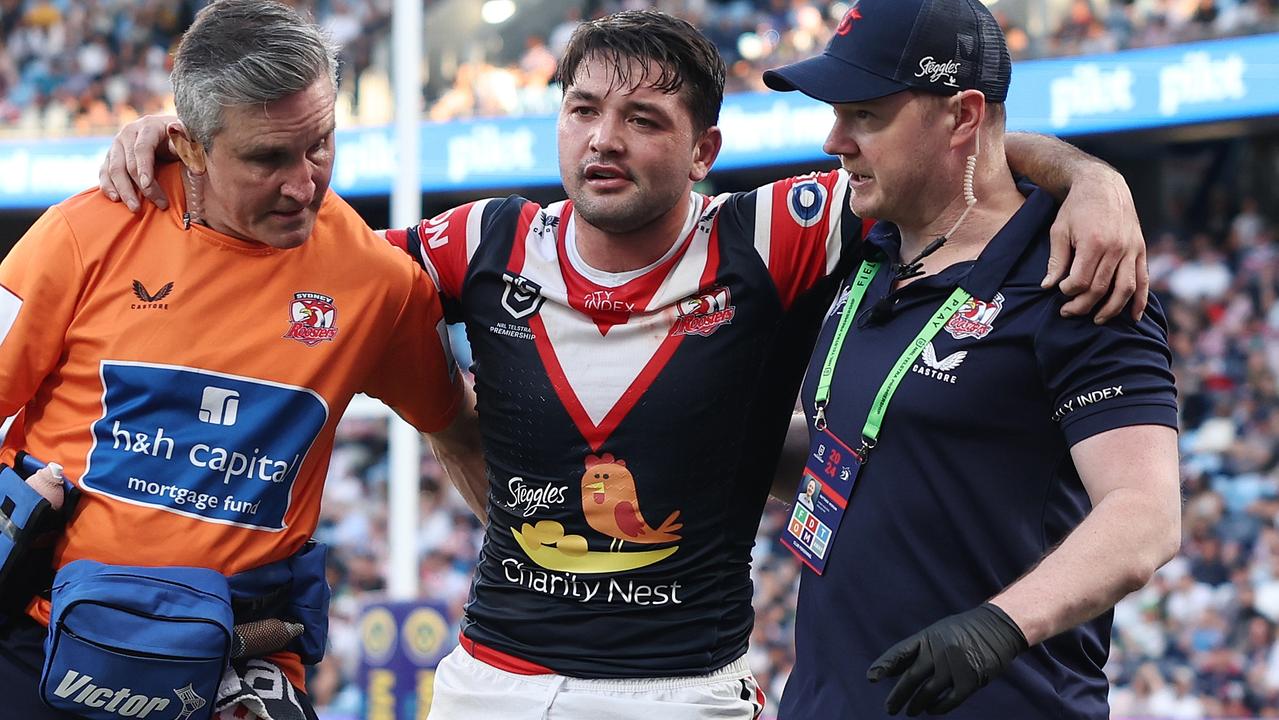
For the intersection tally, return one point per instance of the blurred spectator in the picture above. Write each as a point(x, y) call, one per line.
point(1077, 25)
point(85, 67)
point(564, 31)
point(1245, 230)
point(1204, 275)
point(537, 63)
point(1148, 695)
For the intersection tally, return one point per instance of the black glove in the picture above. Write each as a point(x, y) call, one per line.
point(949, 660)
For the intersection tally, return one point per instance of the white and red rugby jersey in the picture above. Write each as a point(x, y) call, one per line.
point(632, 420)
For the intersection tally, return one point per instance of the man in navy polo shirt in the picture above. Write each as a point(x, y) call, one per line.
point(994, 476)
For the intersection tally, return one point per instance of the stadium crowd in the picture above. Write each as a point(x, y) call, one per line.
point(83, 67)
point(86, 66)
point(1199, 641)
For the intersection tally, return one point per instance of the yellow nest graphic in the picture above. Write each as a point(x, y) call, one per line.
point(548, 546)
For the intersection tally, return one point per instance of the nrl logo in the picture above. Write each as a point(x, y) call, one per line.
point(521, 297)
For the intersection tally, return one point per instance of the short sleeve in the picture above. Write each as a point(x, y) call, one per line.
point(1100, 378)
point(444, 245)
point(40, 283)
point(802, 228)
point(416, 374)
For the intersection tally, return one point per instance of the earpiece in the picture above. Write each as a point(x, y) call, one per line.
point(969, 171)
point(915, 268)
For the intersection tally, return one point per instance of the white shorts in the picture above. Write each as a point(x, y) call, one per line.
point(468, 689)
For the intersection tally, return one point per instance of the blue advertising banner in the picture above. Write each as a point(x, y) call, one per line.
point(401, 645)
point(40, 172)
point(1157, 87)
point(1138, 89)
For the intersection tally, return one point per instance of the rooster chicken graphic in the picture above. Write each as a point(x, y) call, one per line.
point(312, 313)
point(611, 505)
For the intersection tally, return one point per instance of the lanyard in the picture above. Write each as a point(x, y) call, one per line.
point(870, 431)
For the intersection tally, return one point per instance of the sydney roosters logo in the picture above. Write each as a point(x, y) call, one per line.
point(313, 319)
point(150, 301)
point(704, 313)
point(850, 17)
point(975, 319)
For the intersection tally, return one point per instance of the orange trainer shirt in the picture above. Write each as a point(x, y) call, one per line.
point(191, 382)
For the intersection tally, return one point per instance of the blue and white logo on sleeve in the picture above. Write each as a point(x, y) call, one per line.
point(216, 447)
point(807, 202)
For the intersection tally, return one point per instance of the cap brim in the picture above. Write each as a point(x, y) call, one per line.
point(829, 79)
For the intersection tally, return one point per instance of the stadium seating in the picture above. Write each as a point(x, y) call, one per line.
point(1199, 641)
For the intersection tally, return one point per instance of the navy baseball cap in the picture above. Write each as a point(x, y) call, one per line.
point(885, 46)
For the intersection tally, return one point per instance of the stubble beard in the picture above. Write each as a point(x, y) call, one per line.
point(622, 215)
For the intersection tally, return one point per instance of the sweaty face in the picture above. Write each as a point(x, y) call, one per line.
point(269, 168)
point(887, 146)
point(626, 153)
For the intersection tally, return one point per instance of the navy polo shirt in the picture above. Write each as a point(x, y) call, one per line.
point(972, 481)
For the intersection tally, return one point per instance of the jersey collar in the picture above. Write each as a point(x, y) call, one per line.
point(607, 279)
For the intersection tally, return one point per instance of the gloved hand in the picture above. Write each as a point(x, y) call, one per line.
point(949, 660)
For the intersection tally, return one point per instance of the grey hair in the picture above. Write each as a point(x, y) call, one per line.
point(245, 52)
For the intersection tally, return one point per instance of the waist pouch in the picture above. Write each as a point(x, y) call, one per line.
point(294, 589)
point(137, 642)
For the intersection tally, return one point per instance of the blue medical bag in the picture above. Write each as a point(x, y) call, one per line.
point(141, 642)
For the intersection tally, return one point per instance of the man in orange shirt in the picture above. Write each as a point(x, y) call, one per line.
point(188, 366)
